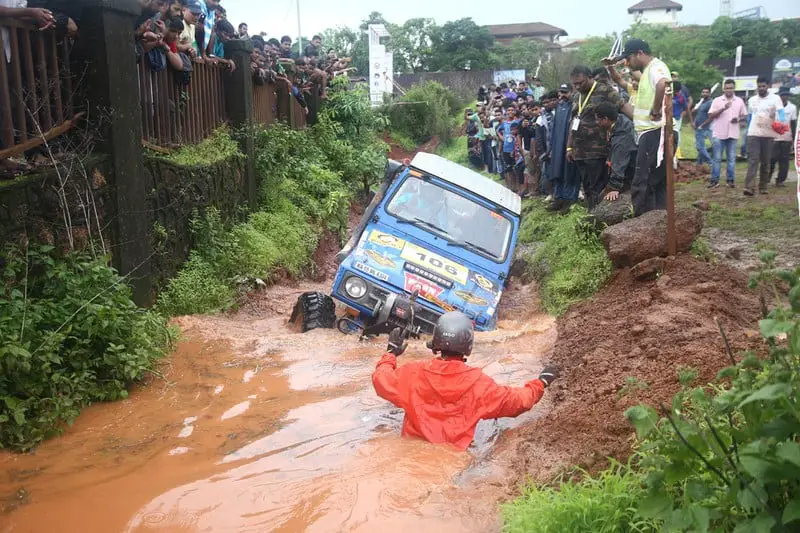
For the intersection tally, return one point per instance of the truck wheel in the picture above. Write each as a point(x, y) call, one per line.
point(314, 310)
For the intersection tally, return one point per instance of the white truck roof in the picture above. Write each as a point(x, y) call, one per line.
point(468, 179)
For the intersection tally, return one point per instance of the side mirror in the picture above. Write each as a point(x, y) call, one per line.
point(392, 167)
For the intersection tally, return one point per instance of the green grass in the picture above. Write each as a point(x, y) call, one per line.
point(774, 215)
point(605, 503)
point(571, 263)
point(219, 146)
point(455, 150)
point(688, 151)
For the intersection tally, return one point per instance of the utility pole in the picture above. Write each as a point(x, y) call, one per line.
point(299, 33)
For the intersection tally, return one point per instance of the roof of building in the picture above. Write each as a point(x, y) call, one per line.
point(655, 4)
point(467, 179)
point(524, 30)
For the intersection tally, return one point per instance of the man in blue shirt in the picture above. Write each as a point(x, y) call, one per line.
point(507, 140)
point(702, 133)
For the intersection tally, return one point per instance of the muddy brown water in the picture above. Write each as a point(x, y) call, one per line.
point(259, 428)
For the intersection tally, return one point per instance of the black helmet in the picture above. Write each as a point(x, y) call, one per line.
point(453, 334)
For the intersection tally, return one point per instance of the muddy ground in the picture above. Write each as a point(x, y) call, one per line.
point(645, 330)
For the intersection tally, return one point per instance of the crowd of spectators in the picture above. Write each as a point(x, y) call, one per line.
point(603, 133)
point(178, 34)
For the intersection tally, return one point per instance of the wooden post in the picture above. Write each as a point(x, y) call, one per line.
point(669, 152)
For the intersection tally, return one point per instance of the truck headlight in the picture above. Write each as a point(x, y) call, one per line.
point(355, 287)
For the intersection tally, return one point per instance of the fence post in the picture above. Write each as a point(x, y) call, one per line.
point(284, 101)
point(111, 90)
point(239, 100)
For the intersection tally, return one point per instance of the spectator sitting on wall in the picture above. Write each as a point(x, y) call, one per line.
point(243, 31)
point(224, 32)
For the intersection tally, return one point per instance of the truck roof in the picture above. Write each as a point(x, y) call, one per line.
point(467, 179)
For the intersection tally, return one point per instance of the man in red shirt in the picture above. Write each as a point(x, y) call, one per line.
point(444, 399)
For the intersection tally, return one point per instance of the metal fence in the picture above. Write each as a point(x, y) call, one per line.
point(265, 103)
point(173, 113)
point(35, 87)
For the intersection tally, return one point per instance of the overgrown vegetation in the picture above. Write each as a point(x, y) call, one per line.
point(70, 335)
point(721, 457)
point(308, 178)
point(569, 261)
point(219, 146)
point(427, 110)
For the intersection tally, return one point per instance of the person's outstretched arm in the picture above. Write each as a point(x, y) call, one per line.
point(498, 401)
point(386, 377)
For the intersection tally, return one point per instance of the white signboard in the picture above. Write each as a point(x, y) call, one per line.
point(381, 77)
point(505, 76)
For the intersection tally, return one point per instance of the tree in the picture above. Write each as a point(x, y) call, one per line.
point(520, 54)
point(412, 44)
point(461, 45)
point(341, 38)
point(757, 37)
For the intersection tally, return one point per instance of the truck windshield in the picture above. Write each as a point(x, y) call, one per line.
point(457, 219)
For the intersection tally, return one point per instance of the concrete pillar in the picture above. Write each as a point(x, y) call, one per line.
point(239, 101)
point(106, 48)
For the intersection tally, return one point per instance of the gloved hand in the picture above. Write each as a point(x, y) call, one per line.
point(548, 375)
point(397, 344)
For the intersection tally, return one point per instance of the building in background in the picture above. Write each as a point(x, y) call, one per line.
point(655, 12)
point(505, 33)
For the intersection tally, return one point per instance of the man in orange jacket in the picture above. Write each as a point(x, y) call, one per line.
point(444, 398)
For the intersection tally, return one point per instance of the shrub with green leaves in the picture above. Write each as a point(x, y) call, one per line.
point(70, 335)
point(427, 110)
point(726, 457)
point(605, 503)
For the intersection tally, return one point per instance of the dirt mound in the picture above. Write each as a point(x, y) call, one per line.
point(647, 330)
point(688, 172)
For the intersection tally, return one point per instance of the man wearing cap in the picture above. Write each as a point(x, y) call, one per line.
point(187, 41)
point(783, 143)
point(649, 187)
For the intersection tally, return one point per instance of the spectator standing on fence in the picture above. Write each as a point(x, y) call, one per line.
point(763, 109)
point(787, 115)
point(702, 133)
point(649, 187)
point(725, 113)
point(588, 145)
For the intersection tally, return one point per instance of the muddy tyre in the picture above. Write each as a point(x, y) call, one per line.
point(314, 310)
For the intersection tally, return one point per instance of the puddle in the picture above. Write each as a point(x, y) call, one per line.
point(258, 428)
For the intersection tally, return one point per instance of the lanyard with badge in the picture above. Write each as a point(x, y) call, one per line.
point(576, 122)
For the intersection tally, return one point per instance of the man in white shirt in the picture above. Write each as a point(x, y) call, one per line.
point(763, 108)
point(782, 148)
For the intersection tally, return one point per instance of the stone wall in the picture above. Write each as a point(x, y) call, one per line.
point(30, 207)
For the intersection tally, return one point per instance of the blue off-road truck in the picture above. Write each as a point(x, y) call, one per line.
point(436, 237)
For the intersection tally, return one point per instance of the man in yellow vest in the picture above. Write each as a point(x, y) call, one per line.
point(649, 187)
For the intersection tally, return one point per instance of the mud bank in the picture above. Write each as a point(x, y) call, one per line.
point(646, 330)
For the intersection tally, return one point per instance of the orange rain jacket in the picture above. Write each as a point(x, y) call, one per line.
point(444, 400)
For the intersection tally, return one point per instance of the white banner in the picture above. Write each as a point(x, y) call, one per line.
point(381, 77)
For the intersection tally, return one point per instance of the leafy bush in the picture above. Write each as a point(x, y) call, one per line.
point(70, 335)
point(223, 257)
point(605, 503)
point(219, 146)
point(726, 457)
point(571, 264)
point(426, 110)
